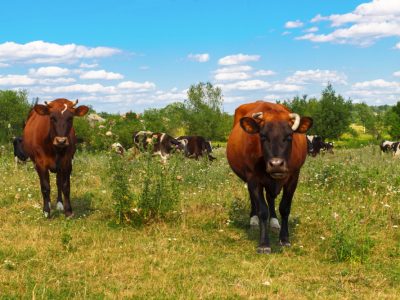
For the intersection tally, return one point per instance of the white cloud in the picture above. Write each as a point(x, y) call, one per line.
point(238, 59)
point(139, 86)
point(202, 57)
point(294, 24)
point(256, 84)
point(286, 33)
point(377, 83)
point(3, 65)
point(321, 76)
point(49, 72)
point(60, 80)
point(232, 73)
point(264, 73)
point(397, 46)
point(43, 52)
point(101, 74)
point(88, 66)
point(397, 74)
point(95, 88)
point(312, 29)
point(16, 80)
point(365, 25)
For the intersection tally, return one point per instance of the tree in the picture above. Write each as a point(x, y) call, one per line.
point(333, 115)
point(14, 108)
point(364, 115)
point(204, 114)
point(392, 121)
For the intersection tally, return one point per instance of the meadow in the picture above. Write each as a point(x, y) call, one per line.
point(344, 229)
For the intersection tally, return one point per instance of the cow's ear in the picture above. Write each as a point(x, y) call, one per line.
point(41, 109)
point(82, 110)
point(249, 125)
point(305, 124)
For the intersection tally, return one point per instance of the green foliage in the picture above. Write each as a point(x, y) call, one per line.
point(160, 192)
point(14, 110)
point(392, 121)
point(121, 194)
point(204, 114)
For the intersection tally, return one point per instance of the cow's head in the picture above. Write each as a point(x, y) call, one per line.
point(61, 114)
point(276, 138)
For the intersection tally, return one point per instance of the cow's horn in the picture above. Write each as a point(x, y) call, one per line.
point(75, 103)
point(45, 102)
point(296, 121)
point(257, 115)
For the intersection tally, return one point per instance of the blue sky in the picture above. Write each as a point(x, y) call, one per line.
point(133, 55)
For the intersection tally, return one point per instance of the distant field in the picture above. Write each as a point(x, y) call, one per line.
point(344, 230)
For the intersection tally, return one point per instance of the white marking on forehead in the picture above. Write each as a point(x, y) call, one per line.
point(62, 112)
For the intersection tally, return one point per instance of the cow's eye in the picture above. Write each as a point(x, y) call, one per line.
point(264, 138)
point(288, 138)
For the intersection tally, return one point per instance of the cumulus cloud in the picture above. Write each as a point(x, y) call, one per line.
point(43, 52)
point(16, 80)
point(232, 73)
point(256, 84)
point(397, 46)
point(238, 59)
point(3, 65)
point(378, 91)
point(52, 71)
point(88, 66)
point(397, 74)
point(264, 73)
point(320, 76)
point(202, 57)
point(101, 74)
point(312, 29)
point(139, 86)
point(365, 25)
point(293, 24)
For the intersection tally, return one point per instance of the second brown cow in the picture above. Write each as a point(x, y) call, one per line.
point(266, 149)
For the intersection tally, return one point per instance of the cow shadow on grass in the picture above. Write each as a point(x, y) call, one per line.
point(239, 214)
point(81, 206)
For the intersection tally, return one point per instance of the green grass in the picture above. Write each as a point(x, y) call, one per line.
point(344, 230)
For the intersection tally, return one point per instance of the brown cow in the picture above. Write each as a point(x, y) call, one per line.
point(196, 145)
point(266, 149)
point(49, 140)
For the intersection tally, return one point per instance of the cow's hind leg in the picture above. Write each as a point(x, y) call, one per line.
point(271, 196)
point(60, 206)
point(256, 193)
point(45, 189)
point(285, 206)
point(66, 187)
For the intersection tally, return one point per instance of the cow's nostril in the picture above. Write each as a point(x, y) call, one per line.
point(276, 162)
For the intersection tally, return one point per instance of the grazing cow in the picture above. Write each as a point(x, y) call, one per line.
point(118, 148)
point(196, 146)
point(328, 147)
point(162, 144)
point(396, 148)
point(19, 153)
point(49, 140)
point(386, 146)
point(315, 144)
point(266, 149)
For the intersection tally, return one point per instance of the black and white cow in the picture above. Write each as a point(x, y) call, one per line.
point(196, 146)
point(19, 154)
point(396, 149)
point(161, 143)
point(387, 146)
point(315, 144)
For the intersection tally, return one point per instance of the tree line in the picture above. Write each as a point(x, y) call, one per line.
point(201, 113)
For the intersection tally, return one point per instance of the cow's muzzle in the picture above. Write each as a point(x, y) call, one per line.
point(277, 168)
point(60, 141)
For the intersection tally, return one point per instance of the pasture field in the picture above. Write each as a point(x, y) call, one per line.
point(344, 230)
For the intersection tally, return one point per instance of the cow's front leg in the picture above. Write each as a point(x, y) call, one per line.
point(257, 195)
point(285, 206)
point(45, 189)
point(66, 186)
point(271, 194)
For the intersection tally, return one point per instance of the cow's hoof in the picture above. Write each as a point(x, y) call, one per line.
point(254, 222)
point(285, 243)
point(274, 224)
point(263, 250)
point(69, 214)
point(46, 214)
point(60, 206)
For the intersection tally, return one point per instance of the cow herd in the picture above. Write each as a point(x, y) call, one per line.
point(266, 149)
point(390, 147)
